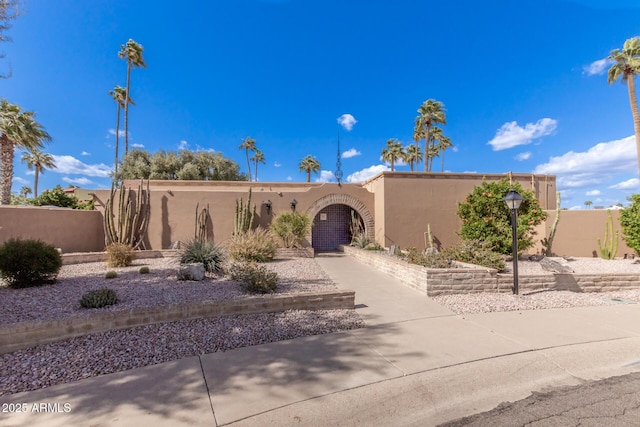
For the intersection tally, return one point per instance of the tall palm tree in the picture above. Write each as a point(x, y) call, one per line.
point(432, 152)
point(309, 164)
point(18, 129)
point(119, 94)
point(430, 113)
point(443, 143)
point(627, 65)
point(25, 191)
point(247, 145)
point(36, 159)
point(258, 157)
point(132, 53)
point(588, 203)
point(393, 152)
point(413, 155)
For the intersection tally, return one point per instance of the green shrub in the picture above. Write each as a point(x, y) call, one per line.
point(476, 252)
point(111, 275)
point(361, 240)
point(375, 246)
point(57, 197)
point(254, 245)
point(429, 260)
point(99, 298)
point(119, 255)
point(630, 222)
point(486, 217)
point(291, 227)
point(205, 252)
point(25, 263)
point(253, 277)
point(144, 270)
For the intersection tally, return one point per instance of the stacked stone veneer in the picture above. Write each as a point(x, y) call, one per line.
point(470, 278)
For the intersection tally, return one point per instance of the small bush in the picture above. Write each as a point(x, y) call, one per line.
point(144, 270)
point(630, 222)
point(253, 277)
point(99, 298)
point(205, 252)
point(429, 260)
point(254, 245)
point(291, 227)
point(25, 263)
point(361, 240)
point(375, 246)
point(119, 255)
point(476, 252)
point(111, 275)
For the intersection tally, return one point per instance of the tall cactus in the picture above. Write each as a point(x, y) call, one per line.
point(244, 215)
point(132, 221)
point(200, 233)
point(609, 249)
point(548, 242)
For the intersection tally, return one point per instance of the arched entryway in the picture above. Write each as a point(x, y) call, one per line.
point(334, 217)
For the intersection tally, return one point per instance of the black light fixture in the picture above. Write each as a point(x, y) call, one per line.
point(267, 204)
point(513, 199)
point(293, 204)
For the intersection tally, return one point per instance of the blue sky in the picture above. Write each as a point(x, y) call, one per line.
point(521, 83)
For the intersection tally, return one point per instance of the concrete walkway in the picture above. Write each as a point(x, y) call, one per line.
point(416, 363)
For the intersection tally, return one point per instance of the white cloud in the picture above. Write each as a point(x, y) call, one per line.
point(511, 135)
point(325, 176)
point(137, 145)
point(630, 184)
point(598, 165)
point(575, 208)
point(77, 181)
point(183, 145)
point(347, 121)
point(277, 164)
point(20, 180)
point(523, 156)
point(289, 178)
point(454, 149)
point(120, 133)
point(84, 153)
point(351, 152)
point(73, 166)
point(593, 193)
point(596, 67)
point(367, 173)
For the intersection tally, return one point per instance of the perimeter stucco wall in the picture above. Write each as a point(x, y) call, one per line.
point(577, 232)
point(406, 202)
point(173, 205)
point(68, 229)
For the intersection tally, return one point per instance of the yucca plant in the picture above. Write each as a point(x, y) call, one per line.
point(209, 254)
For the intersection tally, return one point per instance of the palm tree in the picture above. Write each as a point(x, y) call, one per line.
point(258, 157)
point(37, 160)
point(132, 53)
point(430, 113)
point(17, 129)
point(413, 155)
point(432, 151)
point(393, 152)
point(627, 65)
point(309, 164)
point(247, 145)
point(119, 94)
point(25, 191)
point(588, 203)
point(443, 143)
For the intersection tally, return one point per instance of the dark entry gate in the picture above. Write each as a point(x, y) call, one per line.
point(331, 228)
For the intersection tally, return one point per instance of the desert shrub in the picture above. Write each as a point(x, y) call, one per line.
point(361, 240)
point(291, 227)
point(375, 246)
point(25, 263)
point(144, 270)
point(476, 252)
point(254, 245)
point(110, 275)
point(630, 222)
point(57, 197)
point(429, 260)
point(205, 252)
point(486, 217)
point(99, 298)
point(253, 277)
point(119, 255)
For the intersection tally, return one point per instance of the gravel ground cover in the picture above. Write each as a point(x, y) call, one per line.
point(114, 351)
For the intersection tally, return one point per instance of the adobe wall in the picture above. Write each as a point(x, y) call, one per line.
point(173, 205)
point(412, 200)
point(68, 229)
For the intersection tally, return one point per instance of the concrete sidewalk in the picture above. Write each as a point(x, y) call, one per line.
point(415, 363)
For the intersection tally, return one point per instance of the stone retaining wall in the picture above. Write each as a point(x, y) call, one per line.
point(25, 335)
point(470, 278)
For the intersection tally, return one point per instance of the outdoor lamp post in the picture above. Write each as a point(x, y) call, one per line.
point(513, 199)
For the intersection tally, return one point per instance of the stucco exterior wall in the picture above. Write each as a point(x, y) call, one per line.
point(68, 229)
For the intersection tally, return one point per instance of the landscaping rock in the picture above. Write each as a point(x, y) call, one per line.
point(555, 265)
point(191, 271)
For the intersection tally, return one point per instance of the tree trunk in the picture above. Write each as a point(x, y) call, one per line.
point(115, 176)
point(6, 154)
point(442, 160)
point(427, 131)
point(308, 175)
point(634, 112)
point(126, 110)
point(256, 171)
point(246, 150)
point(35, 184)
